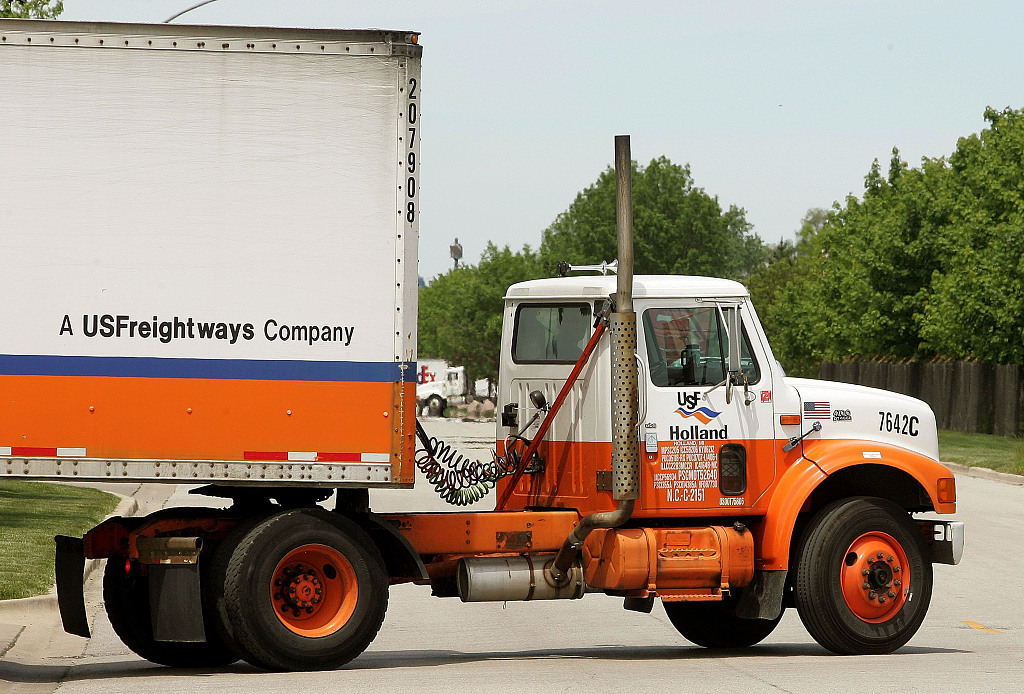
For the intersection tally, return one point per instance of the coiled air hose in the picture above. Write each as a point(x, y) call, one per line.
point(459, 480)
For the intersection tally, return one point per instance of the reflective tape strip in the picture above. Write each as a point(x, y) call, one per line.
point(314, 456)
point(34, 451)
point(42, 452)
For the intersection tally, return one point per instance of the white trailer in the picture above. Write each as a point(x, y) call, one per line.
point(209, 238)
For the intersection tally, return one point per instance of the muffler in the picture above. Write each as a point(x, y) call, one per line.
point(525, 577)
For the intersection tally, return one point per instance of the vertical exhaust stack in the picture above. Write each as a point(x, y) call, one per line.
point(625, 387)
point(625, 393)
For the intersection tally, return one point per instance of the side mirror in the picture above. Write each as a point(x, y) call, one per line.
point(538, 400)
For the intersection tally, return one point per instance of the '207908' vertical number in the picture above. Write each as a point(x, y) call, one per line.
point(410, 185)
point(898, 423)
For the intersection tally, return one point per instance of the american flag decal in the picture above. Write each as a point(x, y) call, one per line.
point(817, 410)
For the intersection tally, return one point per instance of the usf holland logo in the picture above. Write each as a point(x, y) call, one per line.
point(688, 409)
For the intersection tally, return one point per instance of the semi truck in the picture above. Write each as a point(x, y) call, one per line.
point(204, 230)
point(439, 383)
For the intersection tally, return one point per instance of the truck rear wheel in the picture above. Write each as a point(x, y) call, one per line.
point(126, 599)
point(862, 583)
point(715, 625)
point(304, 590)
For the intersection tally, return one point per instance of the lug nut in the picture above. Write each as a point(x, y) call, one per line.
point(866, 585)
point(277, 581)
point(872, 595)
point(891, 594)
point(895, 568)
point(871, 560)
point(863, 572)
point(898, 582)
point(881, 599)
point(309, 610)
point(284, 608)
point(880, 555)
point(890, 558)
point(277, 596)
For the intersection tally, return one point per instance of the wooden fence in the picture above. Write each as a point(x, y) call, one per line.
point(972, 397)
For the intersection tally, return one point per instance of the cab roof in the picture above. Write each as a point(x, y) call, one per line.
point(644, 286)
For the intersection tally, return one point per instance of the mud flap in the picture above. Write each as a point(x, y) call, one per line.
point(762, 599)
point(175, 605)
point(70, 569)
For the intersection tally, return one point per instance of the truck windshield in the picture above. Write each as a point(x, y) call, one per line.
point(685, 347)
point(551, 333)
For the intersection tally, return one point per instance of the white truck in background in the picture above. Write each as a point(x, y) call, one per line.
point(438, 385)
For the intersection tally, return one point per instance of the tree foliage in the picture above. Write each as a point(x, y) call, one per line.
point(777, 291)
point(677, 227)
point(928, 263)
point(31, 9)
point(461, 311)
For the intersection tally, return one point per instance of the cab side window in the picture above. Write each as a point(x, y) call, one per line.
point(550, 333)
point(690, 347)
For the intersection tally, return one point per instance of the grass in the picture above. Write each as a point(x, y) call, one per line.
point(31, 513)
point(982, 450)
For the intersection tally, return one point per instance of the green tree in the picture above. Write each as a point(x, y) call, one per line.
point(677, 227)
point(976, 307)
point(928, 263)
point(777, 289)
point(461, 311)
point(31, 9)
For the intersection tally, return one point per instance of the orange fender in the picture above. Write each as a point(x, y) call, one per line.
point(824, 458)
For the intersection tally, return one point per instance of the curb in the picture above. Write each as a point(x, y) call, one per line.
point(986, 474)
point(27, 610)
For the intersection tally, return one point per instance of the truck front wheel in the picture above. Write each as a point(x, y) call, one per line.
point(304, 590)
point(863, 582)
point(715, 625)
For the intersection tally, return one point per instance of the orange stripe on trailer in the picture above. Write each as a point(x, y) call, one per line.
point(203, 419)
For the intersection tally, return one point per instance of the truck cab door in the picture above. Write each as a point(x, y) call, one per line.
point(706, 446)
point(541, 343)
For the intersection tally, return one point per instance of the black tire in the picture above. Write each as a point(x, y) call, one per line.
point(126, 599)
point(352, 574)
point(435, 406)
point(850, 599)
point(213, 583)
point(714, 624)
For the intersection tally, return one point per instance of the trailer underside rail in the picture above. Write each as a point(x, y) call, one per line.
point(237, 472)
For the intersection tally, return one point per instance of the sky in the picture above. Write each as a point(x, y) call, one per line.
point(777, 107)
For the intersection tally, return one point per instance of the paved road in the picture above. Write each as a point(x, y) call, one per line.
point(972, 640)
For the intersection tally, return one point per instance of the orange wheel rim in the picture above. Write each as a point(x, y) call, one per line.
point(314, 590)
point(875, 577)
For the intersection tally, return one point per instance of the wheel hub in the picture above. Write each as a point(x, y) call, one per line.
point(314, 590)
point(301, 590)
point(874, 577)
